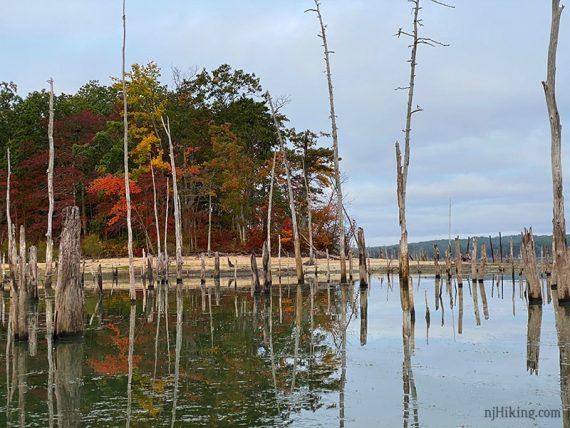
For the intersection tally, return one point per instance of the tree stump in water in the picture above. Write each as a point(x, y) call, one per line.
point(217, 265)
point(68, 292)
point(362, 258)
point(266, 268)
point(99, 280)
point(534, 289)
point(458, 263)
point(255, 274)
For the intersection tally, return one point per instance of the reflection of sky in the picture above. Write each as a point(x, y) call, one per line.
point(482, 139)
point(456, 379)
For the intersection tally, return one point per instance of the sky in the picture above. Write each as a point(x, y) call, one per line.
point(481, 141)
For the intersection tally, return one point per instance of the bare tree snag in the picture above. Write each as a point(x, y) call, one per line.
point(177, 219)
point(202, 269)
point(150, 271)
point(49, 239)
point(458, 263)
point(362, 258)
point(217, 265)
point(483, 263)
point(474, 260)
point(269, 209)
point(534, 289)
point(155, 209)
point(437, 266)
point(296, 239)
point(68, 292)
point(11, 258)
point(99, 280)
point(209, 223)
point(132, 290)
point(33, 272)
point(350, 267)
point(309, 214)
point(266, 268)
point(338, 181)
point(562, 264)
point(255, 274)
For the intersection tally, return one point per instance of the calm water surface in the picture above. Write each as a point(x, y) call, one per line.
point(312, 355)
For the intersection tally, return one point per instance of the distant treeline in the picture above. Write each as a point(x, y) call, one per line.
point(425, 249)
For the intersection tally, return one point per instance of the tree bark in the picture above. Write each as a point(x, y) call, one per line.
point(68, 293)
point(49, 239)
point(562, 264)
point(132, 291)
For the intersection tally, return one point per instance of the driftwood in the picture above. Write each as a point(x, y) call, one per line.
point(68, 293)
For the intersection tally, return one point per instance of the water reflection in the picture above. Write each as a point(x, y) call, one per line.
point(562, 314)
point(297, 356)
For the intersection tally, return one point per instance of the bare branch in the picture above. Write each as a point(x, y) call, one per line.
point(443, 4)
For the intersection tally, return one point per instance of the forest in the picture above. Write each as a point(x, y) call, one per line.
point(224, 138)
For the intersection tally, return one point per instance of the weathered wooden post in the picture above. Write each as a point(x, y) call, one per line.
point(458, 263)
point(362, 258)
point(534, 290)
point(68, 292)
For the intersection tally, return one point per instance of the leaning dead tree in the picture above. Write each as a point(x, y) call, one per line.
point(132, 291)
point(177, 221)
point(561, 262)
point(296, 239)
point(334, 133)
point(68, 291)
point(49, 239)
point(402, 165)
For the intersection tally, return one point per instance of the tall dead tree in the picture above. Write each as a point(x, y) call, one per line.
point(132, 291)
point(269, 209)
point(11, 260)
point(155, 209)
point(296, 239)
point(177, 220)
point(49, 239)
point(561, 262)
point(402, 165)
point(334, 133)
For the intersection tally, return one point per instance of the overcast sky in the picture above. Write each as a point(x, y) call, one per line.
point(483, 139)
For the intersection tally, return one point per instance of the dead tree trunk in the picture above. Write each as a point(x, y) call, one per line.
point(474, 260)
point(177, 219)
point(266, 257)
point(338, 181)
point(562, 264)
point(99, 280)
point(132, 291)
point(155, 209)
point(458, 263)
point(534, 289)
point(296, 239)
point(217, 265)
point(210, 223)
point(49, 239)
point(483, 263)
point(11, 243)
point(33, 272)
point(310, 215)
point(68, 292)
point(437, 266)
point(202, 269)
point(255, 274)
point(362, 258)
point(269, 209)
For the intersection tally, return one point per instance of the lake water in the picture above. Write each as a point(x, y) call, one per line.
point(310, 356)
